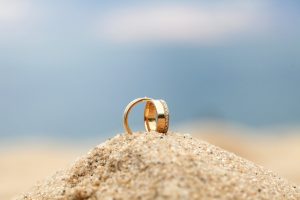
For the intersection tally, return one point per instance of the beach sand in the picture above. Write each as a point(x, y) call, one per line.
point(23, 165)
point(172, 166)
point(276, 148)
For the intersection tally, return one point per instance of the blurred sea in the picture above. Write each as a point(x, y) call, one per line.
point(59, 79)
point(86, 93)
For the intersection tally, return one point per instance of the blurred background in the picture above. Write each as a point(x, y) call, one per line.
point(229, 71)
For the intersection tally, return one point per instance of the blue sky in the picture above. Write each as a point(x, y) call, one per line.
point(69, 68)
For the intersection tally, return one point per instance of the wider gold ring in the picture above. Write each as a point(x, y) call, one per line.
point(156, 115)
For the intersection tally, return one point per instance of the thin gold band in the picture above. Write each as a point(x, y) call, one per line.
point(156, 115)
point(128, 109)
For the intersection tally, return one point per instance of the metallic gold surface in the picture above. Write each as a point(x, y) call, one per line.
point(156, 115)
point(128, 109)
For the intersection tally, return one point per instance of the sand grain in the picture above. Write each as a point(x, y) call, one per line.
point(156, 166)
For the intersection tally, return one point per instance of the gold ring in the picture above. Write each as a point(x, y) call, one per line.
point(156, 115)
point(128, 109)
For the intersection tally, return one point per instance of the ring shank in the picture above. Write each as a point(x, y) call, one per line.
point(156, 116)
point(128, 109)
point(150, 116)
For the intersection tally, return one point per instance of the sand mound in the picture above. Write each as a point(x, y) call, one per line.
point(156, 166)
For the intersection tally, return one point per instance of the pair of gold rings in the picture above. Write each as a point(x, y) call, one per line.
point(156, 115)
